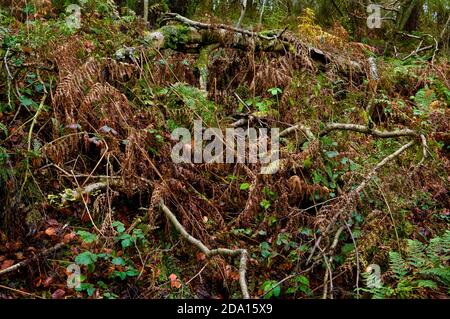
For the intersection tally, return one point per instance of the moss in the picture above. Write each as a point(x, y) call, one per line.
point(176, 36)
point(202, 64)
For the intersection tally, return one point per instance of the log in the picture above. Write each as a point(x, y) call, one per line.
point(187, 35)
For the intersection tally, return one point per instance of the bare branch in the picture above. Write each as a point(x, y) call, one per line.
point(28, 261)
point(209, 253)
point(364, 129)
point(386, 160)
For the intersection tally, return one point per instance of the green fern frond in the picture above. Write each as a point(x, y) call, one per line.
point(3, 154)
point(416, 254)
point(3, 129)
point(442, 274)
point(438, 250)
point(398, 265)
point(426, 284)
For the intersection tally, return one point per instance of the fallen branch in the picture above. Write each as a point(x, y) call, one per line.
point(365, 130)
point(6, 64)
point(424, 149)
point(209, 253)
point(207, 26)
point(299, 127)
point(386, 160)
point(28, 261)
point(200, 34)
point(350, 197)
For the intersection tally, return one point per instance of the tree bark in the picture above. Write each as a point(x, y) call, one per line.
point(191, 35)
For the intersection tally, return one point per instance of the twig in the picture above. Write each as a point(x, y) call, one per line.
point(208, 252)
point(390, 214)
point(201, 25)
point(386, 160)
point(299, 127)
point(28, 261)
point(424, 149)
point(30, 135)
point(357, 259)
point(364, 129)
point(21, 292)
point(6, 64)
point(325, 281)
point(87, 190)
point(198, 274)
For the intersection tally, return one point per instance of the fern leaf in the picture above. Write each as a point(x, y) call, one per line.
point(442, 274)
point(426, 284)
point(416, 255)
point(398, 265)
point(3, 128)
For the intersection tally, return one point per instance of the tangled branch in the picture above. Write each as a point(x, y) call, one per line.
point(212, 252)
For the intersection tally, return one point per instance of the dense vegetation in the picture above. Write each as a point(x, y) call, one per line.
point(359, 207)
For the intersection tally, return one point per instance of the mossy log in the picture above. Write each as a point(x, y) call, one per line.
point(193, 36)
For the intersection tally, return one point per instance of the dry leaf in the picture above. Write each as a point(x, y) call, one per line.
point(201, 256)
point(52, 222)
point(174, 281)
point(51, 231)
point(48, 281)
point(58, 294)
point(7, 263)
point(20, 255)
point(69, 237)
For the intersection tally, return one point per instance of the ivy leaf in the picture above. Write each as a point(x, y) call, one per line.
point(25, 101)
point(119, 226)
point(87, 258)
point(265, 249)
point(87, 237)
point(271, 289)
point(120, 274)
point(89, 288)
point(119, 261)
point(275, 91)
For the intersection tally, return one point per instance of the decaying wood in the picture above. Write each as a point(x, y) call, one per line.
point(202, 34)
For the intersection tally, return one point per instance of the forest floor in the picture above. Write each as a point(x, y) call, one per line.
point(88, 185)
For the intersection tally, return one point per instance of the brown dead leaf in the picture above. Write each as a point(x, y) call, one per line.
point(58, 294)
point(47, 282)
point(174, 281)
point(201, 256)
point(69, 237)
point(7, 263)
point(51, 231)
point(19, 255)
